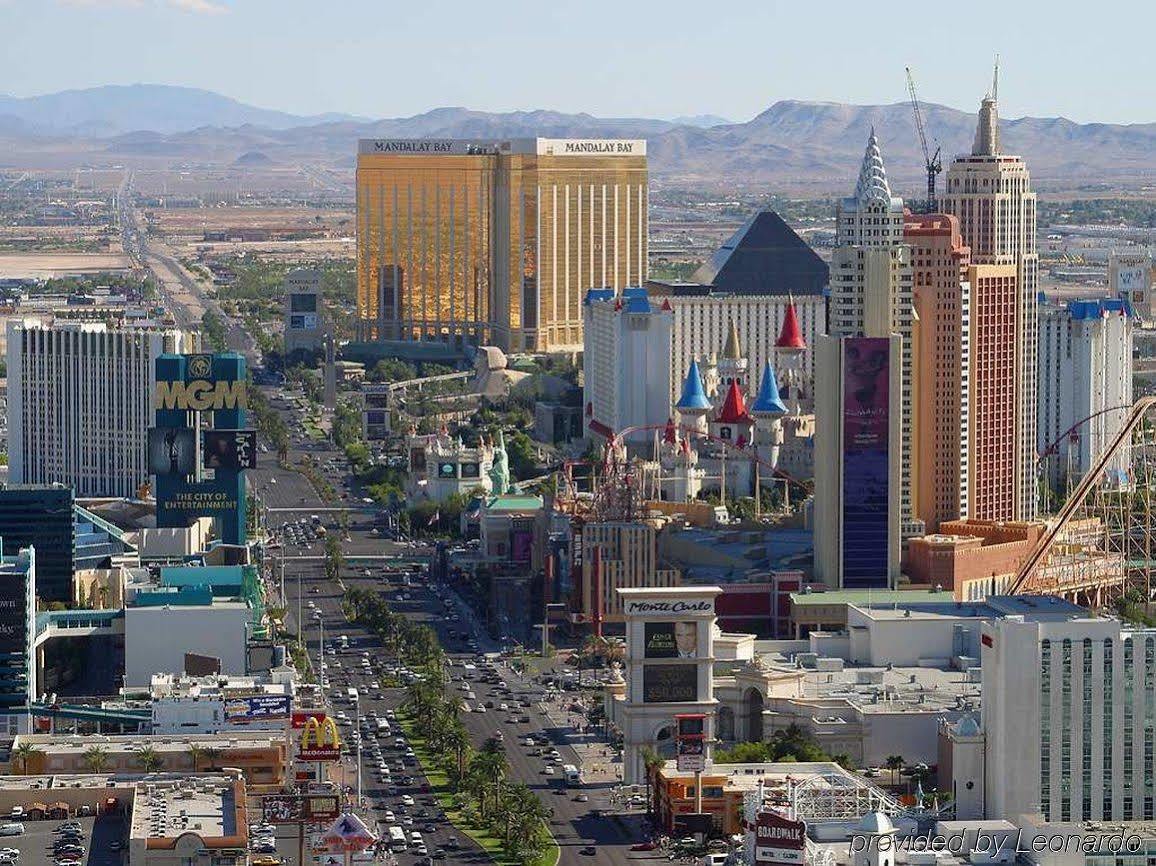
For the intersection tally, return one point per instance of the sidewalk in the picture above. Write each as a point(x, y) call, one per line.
point(598, 762)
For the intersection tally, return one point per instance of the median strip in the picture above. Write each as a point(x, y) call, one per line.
point(439, 783)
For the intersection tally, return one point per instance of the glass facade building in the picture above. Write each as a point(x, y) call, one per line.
point(41, 516)
point(484, 242)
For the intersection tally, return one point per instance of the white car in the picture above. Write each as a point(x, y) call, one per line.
point(407, 800)
point(389, 818)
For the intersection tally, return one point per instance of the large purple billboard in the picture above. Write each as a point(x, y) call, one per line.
point(866, 433)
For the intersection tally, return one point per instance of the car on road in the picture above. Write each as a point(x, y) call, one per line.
point(407, 800)
point(588, 850)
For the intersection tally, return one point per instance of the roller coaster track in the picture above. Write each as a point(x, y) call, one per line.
point(1028, 579)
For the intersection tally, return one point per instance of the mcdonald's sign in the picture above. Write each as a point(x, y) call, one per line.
point(320, 740)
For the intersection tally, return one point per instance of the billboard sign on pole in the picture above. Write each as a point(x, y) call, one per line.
point(779, 841)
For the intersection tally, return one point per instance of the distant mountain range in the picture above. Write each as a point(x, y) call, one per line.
point(115, 109)
point(790, 145)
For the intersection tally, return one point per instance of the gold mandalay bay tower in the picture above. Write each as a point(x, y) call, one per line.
point(495, 243)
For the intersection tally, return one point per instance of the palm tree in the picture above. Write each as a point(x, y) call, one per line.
point(148, 759)
point(24, 753)
point(894, 763)
point(458, 741)
point(196, 753)
point(843, 760)
point(651, 762)
point(486, 775)
point(212, 758)
point(95, 759)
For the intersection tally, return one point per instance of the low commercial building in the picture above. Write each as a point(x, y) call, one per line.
point(813, 611)
point(724, 787)
point(170, 820)
point(259, 755)
point(442, 466)
point(865, 712)
point(971, 559)
point(177, 613)
point(214, 704)
point(189, 822)
point(506, 527)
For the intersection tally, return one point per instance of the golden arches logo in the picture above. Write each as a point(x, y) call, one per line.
point(320, 735)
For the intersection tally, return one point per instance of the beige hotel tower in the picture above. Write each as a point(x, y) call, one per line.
point(495, 242)
point(989, 191)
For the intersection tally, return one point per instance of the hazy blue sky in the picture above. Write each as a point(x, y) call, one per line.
point(1090, 61)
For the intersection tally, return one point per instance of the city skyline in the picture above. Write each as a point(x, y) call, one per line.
point(481, 58)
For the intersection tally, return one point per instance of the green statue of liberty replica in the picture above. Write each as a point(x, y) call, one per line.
point(500, 470)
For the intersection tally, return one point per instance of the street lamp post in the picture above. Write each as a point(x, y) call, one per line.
point(357, 727)
point(322, 670)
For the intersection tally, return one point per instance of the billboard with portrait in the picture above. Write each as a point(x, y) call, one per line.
point(866, 435)
point(172, 451)
point(671, 639)
point(669, 684)
point(230, 449)
point(471, 470)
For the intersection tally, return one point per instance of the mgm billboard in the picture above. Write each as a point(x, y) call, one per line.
point(195, 392)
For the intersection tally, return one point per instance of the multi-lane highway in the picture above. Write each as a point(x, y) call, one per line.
point(576, 823)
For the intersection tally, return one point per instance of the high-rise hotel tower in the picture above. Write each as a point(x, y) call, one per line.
point(495, 242)
point(990, 193)
point(864, 414)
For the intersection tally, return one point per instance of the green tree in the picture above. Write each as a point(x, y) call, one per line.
point(894, 763)
point(148, 759)
point(520, 450)
point(95, 759)
point(196, 756)
point(392, 370)
point(652, 762)
point(23, 754)
point(334, 558)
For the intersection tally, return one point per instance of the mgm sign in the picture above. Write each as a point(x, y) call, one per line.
point(195, 392)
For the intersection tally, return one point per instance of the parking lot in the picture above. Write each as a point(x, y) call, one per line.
point(99, 834)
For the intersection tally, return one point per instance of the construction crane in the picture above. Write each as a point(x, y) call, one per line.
point(932, 160)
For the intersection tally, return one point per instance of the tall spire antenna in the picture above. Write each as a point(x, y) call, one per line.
point(995, 81)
